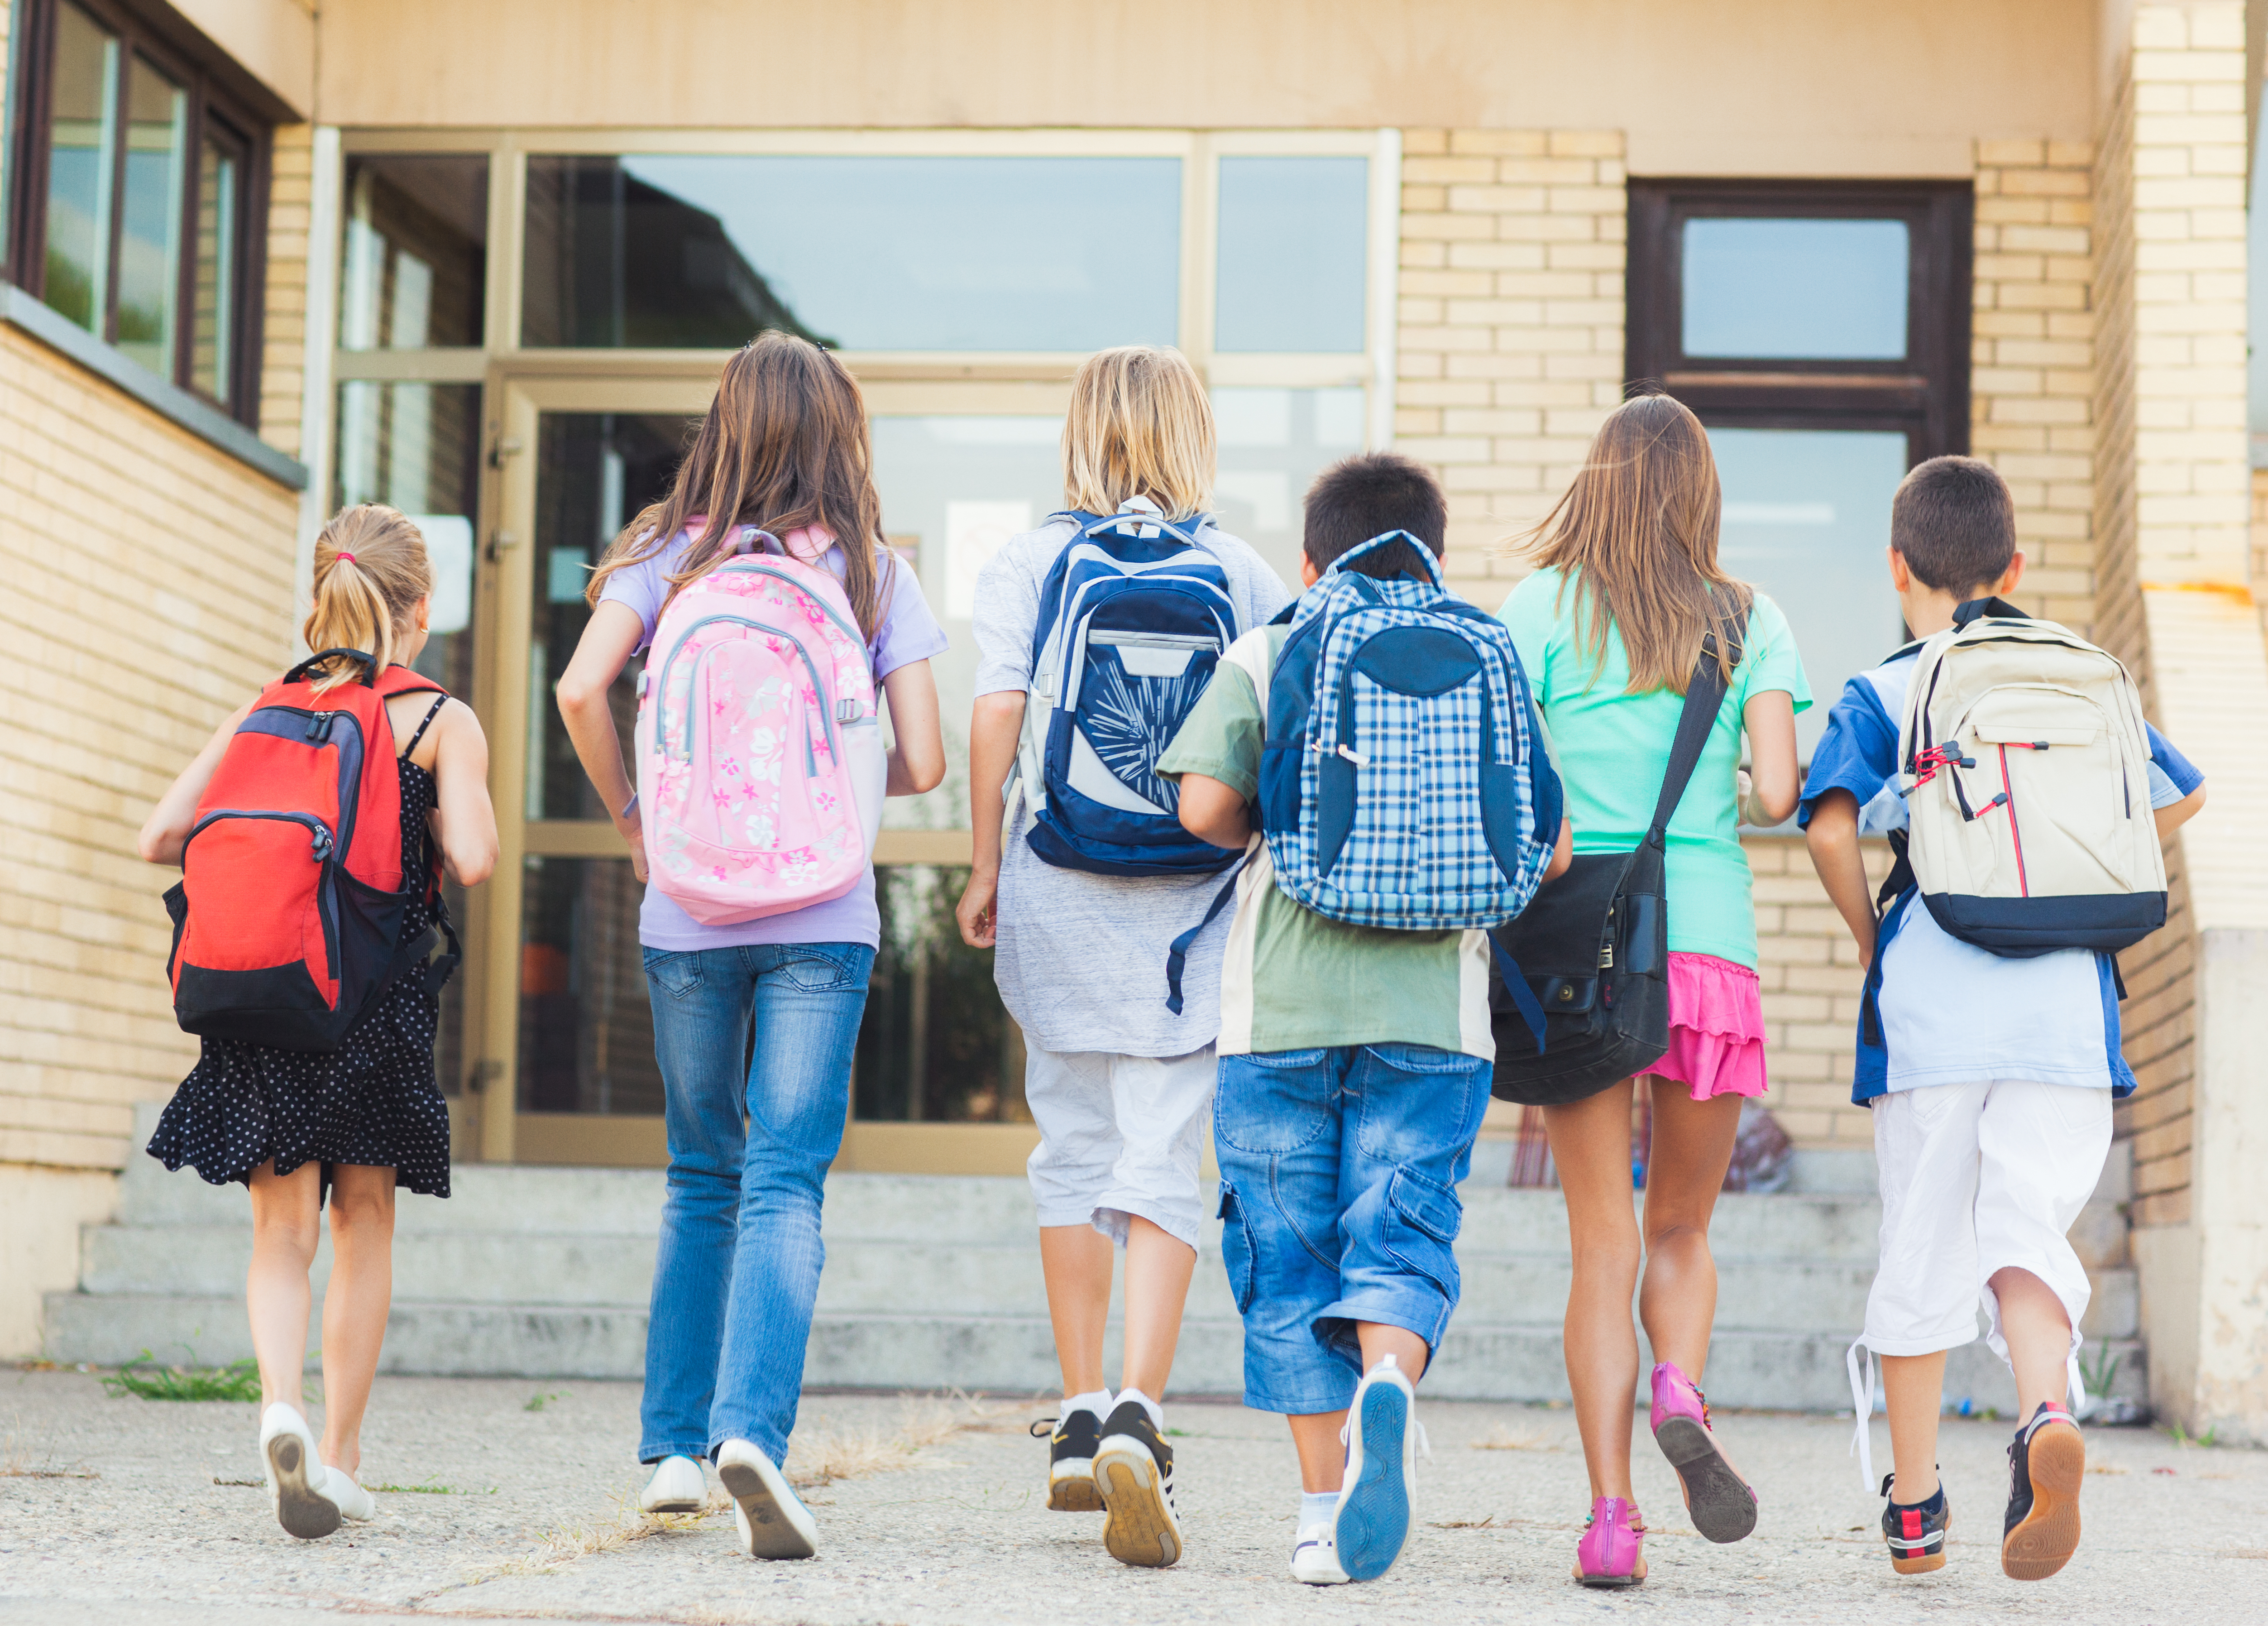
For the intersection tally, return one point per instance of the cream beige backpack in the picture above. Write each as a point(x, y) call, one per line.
point(2026, 770)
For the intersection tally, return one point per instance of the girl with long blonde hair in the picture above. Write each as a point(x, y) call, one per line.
point(352, 1124)
point(1610, 630)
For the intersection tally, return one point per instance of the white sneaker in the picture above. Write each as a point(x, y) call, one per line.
point(296, 1478)
point(677, 1485)
point(1376, 1502)
point(353, 1501)
point(1315, 1560)
point(773, 1524)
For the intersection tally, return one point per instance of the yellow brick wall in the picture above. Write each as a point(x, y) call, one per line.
point(283, 330)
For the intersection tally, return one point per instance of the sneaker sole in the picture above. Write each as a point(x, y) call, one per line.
point(2049, 1534)
point(1608, 1583)
point(1919, 1566)
point(298, 1509)
point(1374, 1522)
point(1071, 1487)
point(1719, 1501)
point(770, 1535)
point(675, 1505)
point(1140, 1529)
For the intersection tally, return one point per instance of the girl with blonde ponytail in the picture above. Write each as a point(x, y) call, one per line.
point(298, 1125)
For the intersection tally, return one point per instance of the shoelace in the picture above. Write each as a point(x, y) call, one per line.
point(1045, 1428)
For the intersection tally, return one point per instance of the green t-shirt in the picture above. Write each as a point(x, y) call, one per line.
point(1613, 749)
point(1293, 979)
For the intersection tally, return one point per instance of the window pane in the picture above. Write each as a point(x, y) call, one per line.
point(585, 1022)
point(81, 160)
point(1806, 518)
point(150, 241)
point(935, 1044)
point(1817, 289)
point(212, 323)
point(593, 471)
point(1273, 443)
point(1294, 237)
point(1016, 253)
point(413, 271)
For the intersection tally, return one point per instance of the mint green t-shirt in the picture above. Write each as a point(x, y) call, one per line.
point(1613, 749)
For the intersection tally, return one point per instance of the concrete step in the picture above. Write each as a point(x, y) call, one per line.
point(999, 1354)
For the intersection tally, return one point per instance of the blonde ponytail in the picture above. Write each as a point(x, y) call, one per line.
point(370, 570)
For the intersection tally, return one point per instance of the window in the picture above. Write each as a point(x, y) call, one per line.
point(137, 199)
point(1293, 254)
point(1821, 333)
point(413, 270)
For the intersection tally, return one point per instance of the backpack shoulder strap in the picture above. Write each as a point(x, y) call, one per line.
point(1704, 695)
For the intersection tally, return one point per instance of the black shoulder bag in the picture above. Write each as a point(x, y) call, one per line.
point(1592, 947)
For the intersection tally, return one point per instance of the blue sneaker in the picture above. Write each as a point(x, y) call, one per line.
point(1376, 1497)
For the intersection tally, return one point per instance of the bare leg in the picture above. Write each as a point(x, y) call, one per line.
point(2038, 1332)
point(1157, 1272)
point(286, 1225)
point(1315, 1437)
point(1913, 1391)
point(355, 1306)
point(1590, 1143)
point(1076, 1262)
point(1692, 1146)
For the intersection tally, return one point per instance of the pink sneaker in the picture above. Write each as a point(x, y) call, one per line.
point(1722, 1505)
point(1608, 1555)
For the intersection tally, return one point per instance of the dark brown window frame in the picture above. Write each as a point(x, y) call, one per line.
point(1924, 395)
point(156, 36)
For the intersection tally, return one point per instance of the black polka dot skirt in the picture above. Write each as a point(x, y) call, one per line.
point(372, 1101)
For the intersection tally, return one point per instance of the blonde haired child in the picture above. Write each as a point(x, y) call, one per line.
point(351, 1124)
point(1118, 1081)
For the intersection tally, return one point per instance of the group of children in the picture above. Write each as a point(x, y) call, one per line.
point(1345, 1067)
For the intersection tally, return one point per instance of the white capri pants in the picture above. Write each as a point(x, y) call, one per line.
point(1119, 1135)
point(1977, 1179)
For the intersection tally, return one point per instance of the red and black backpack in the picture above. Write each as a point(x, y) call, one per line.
point(288, 920)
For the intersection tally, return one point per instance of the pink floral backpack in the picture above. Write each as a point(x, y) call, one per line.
point(760, 757)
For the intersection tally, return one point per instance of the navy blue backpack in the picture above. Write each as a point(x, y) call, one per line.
point(1133, 617)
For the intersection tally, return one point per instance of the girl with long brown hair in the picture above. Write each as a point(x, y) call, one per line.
point(754, 1022)
point(1610, 630)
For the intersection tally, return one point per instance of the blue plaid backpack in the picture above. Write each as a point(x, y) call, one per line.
point(1402, 781)
point(1133, 617)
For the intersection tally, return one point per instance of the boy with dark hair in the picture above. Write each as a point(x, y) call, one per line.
point(1989, 1078)
point(1355, 1065)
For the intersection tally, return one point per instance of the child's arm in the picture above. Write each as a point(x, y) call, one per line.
point(1563, 852)
point(2172, 817)
point(1774, 782)
point(609, 639)
point(167, 829)
point(993, 730)
point(1832, 837)
point(918, 750)
point(465, 821)
point(1214, 812)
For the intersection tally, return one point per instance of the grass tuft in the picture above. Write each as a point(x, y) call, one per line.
point(153, 1380)
point(431, 1487)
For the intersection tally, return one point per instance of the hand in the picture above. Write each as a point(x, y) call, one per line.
point(632, 830)
point(979, 912)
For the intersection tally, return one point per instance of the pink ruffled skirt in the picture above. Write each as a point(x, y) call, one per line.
point(1716, 1028)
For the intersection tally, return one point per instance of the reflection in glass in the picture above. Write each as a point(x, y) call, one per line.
point(1016, 254)
point(935, 1045)
point(149, 231)
point(953, 490)
point(417, 448)
point(1806, 518)
point(1273, 443)
point(414, 269)
point(1293, 247)
point(212, 312)
point(81, 160)
point(586, 1025)
point(1815, 289)
point(593, 471)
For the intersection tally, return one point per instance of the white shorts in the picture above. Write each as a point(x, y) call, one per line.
point(1977, 1179)
point(1119, 1135)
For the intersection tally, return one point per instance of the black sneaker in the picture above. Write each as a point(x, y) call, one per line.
point(1071, 1460)
point(1916, 1531)
point(2047, 1463)
point(1134, 1474)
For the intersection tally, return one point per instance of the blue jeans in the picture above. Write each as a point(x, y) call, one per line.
point(1338, 1198)
point(740, 1253)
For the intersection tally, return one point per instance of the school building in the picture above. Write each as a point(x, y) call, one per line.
point(263, 257)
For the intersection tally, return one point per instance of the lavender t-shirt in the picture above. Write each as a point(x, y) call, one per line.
point(908, 632)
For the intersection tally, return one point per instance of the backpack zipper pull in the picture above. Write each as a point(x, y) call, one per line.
point(319, 726)
point(322, 844)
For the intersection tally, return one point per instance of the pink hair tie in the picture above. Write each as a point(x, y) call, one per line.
point(343, 554)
